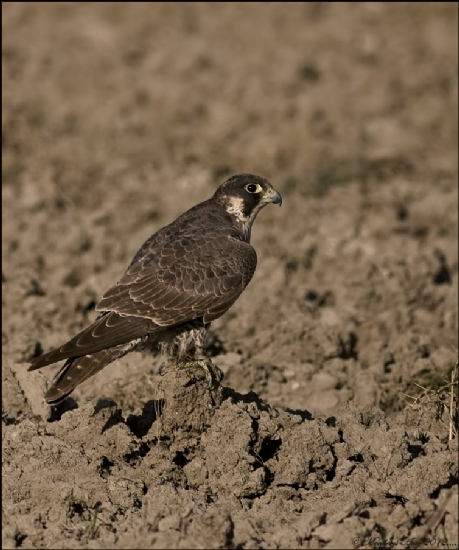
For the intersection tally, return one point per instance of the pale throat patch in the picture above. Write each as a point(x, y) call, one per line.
point(235, 207)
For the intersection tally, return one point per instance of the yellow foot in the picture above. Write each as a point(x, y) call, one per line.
point(213, 374)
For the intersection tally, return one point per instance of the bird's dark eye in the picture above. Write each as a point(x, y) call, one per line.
point(253, 188)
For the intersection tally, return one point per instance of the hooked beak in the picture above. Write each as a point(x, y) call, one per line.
point(273, 196)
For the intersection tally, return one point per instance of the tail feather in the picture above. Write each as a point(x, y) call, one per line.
point(108, 331)
point(78, 369)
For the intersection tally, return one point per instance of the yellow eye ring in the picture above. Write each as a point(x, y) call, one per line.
point(253, 188)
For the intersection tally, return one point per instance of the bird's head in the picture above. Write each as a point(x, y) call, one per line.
point(244, 195)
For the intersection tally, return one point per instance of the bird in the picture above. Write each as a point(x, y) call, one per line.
point(183, 277)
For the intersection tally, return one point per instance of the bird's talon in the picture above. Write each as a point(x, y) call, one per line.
point(213, 374)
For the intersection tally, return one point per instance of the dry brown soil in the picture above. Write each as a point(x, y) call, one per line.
point(116, 119)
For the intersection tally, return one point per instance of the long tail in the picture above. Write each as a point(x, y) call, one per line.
point(78, 369)
point(108, 331)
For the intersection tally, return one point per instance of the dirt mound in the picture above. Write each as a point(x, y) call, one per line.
point(246, 475)
point(334, 426)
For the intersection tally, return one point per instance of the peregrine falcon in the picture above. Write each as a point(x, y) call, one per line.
point(183, 277)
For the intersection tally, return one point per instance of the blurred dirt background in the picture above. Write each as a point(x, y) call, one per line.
point(335, 428)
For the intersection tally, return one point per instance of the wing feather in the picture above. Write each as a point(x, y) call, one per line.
point(200, 274)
